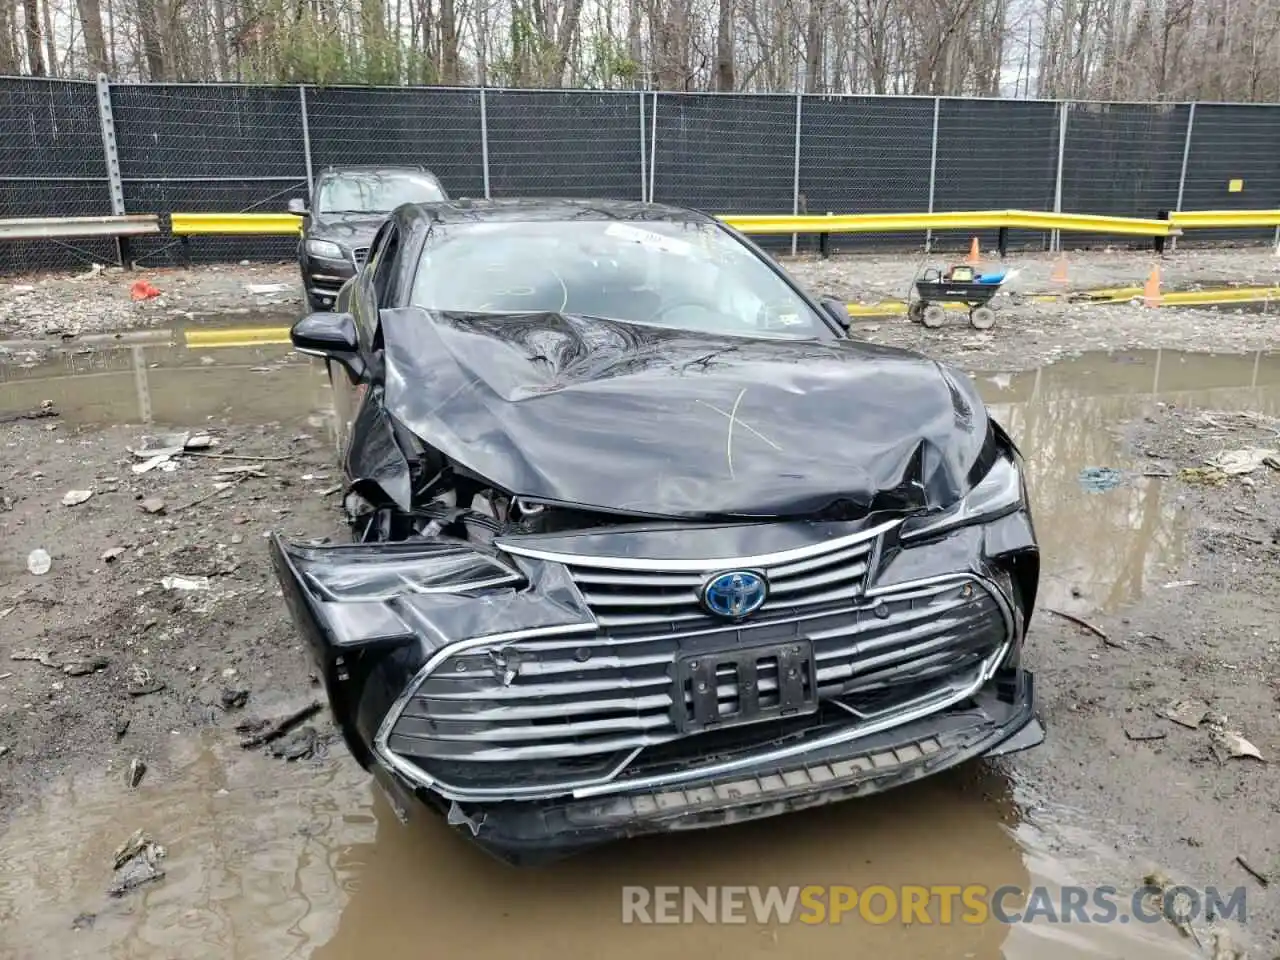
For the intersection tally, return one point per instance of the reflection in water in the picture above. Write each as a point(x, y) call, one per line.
point(169, 385)
point(270, 860)
point(1101, 550)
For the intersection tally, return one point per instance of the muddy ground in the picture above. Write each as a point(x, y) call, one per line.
point(269, 856)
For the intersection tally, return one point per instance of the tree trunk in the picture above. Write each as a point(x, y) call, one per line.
point(448, 43)
point(220, 39)
point(9, 56)
point(95, 47)
point(35, 48)
point(635, 47)
point(813, 36)
point(566, 33)
point(724, 47)
point(152, 51)
point(51, 51)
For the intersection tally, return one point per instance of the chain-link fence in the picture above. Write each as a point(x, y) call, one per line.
point(229, 147)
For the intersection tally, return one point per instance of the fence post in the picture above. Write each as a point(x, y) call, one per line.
point(484, 141)
point(1055, 240)
point(653, 143)
point(795, 183)
point(306, 141)
point(111, 155)
point(933, 170)
point(644, 162)
point(1182, 176)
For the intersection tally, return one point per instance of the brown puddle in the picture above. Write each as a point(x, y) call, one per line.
point(268, 860)
point(274, 860)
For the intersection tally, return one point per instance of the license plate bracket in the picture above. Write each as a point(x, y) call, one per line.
point(726, 688)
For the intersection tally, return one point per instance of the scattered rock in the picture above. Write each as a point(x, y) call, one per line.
point(141, 683)
point(122, 727)
point(199, 442)
point(43, 657)
point(1189, 713)
point(79, 668)
point(137, 770)
point(39, 562)
point(112, 554)
point(1139, 734)
point(298, 745)
point(136, 863)
point(1236, 463)
point(1230, 744)
point(151, 463)
point(73, 497)
point(175, 582)
point(234, 698)
point(152, 505)
point(84, 921)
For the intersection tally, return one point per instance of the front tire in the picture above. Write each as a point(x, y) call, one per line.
point(982, 318)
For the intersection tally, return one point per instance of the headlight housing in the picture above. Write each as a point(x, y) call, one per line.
point(1000, 492)
point(366, 573)
point(326, 249)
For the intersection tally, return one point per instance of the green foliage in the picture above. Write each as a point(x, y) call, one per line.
point(608, 64)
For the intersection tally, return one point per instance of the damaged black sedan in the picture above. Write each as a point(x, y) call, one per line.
point(642, 540)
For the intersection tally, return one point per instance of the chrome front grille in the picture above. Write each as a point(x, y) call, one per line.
point(625, 599)
point(527, 712)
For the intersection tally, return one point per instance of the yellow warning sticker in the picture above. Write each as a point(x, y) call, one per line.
point(1235, 186)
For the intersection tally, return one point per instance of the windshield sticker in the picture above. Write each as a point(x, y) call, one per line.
point(658, 241)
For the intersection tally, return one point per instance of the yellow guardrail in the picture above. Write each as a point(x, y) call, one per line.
point(214, 224)
point(1196, 219)
point(288, 224)
point(963, 220)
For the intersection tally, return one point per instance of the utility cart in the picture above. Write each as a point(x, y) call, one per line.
point(960, 284)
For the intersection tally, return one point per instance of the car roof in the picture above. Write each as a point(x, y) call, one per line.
point(548, 209)
point(334, 170)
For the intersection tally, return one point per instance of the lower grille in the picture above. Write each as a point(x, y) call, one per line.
point(359, 255)
point(582, 708)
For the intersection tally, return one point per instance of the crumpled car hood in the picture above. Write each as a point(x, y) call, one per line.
point(674, 423)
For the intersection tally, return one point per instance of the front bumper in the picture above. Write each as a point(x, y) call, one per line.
point(567, 733)
point(323, 278)
point(1000, 719)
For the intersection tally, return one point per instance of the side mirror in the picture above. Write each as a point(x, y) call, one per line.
point(299, 206)
point(330, 335)
point(838, 310)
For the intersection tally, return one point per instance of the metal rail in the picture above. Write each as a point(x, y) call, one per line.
point(56, 228)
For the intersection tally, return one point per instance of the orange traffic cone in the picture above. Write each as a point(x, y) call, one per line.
point(975, 256)
point(1059, 274)
point(1151, 290)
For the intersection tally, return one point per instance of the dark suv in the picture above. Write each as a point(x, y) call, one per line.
point(349, 204)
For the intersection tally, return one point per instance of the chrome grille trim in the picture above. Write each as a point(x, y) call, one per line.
point(607, 783)
point(624, 598)
point(521, 548)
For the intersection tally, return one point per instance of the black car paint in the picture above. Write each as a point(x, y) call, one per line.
point(662, 422)
point(501, 400)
